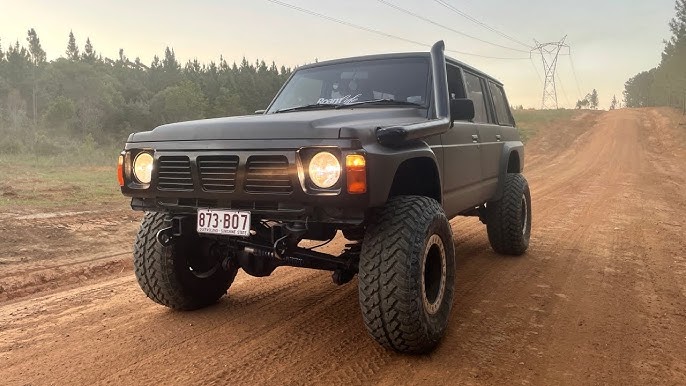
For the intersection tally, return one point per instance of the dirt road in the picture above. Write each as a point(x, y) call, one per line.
point(600, 298)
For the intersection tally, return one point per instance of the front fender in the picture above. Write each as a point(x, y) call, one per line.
point(383, 162)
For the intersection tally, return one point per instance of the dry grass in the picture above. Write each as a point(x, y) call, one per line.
point(28, 183)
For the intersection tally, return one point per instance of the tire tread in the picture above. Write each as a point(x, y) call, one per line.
point(390, 304)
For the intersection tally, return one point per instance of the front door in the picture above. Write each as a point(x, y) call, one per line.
point(461, 167)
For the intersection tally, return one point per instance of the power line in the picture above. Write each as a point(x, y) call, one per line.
point(474, 20)
point(446, 27)
point(574, 72)
point(381, 33)
point(536, 70)
point(562, 88)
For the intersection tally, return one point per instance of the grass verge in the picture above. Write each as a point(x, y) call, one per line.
point(39, 182)
point(530, 121)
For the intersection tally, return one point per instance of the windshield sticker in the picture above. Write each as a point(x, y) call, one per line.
point(346, 100)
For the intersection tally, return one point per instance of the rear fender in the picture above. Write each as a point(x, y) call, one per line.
point(511, 161)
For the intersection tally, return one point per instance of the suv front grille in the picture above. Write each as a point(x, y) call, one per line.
point(174, 173)
point(268, 174)
point(218, 173)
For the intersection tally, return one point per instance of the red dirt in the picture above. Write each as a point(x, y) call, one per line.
point(600, 297)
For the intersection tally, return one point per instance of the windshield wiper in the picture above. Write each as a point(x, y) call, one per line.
point(385, 102)
point(307, 107)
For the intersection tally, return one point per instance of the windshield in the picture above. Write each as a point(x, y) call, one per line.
point(403, 79)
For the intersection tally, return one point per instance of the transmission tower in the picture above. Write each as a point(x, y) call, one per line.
point(549, 53)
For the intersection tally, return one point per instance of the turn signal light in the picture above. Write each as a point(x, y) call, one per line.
point(356, 168)
point(120, 171)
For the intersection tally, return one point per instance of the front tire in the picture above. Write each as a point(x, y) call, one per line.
point(509, 219)
point(182, 275)
point(407, 274)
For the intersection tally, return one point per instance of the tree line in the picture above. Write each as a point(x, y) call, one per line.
point(590, 101)
point(664, 85)
point(46, 106)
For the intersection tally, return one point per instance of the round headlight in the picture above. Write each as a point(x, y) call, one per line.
point(142, 168)
point(325, 170)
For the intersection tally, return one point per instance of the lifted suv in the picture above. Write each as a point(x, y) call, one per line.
point(385, 149)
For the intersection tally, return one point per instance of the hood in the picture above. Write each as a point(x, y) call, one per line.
point(318, 124)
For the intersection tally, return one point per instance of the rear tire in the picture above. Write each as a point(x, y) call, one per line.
point(509, 219)
point(167, 274)
point(407, 274)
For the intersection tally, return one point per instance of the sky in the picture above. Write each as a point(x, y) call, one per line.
point(610, 40)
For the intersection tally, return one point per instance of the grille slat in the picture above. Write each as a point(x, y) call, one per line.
point(174, 173)
point(172, 169)
point(268, 174)
point(218, 173)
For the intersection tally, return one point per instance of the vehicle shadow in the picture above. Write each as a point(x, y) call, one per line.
point(302, 311)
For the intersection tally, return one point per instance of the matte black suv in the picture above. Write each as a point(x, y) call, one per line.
point(384, 148)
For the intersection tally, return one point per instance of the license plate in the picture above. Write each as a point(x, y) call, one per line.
point(224, 222)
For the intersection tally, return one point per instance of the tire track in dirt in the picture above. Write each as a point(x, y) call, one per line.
point(599, 297)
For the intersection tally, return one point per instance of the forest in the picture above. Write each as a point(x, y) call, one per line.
point(664, 85)
point(84, 99)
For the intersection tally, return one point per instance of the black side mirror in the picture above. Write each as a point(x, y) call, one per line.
point(461, 109)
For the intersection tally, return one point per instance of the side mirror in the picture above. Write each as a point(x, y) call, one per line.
point(260, 111)
point(461, 109)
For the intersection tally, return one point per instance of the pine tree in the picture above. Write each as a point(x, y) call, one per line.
point(123, 60)
point(156, 64)
point(38, 58)
point(35, 49)
point(678, 24)
point(169, 62)
point(88, 55)
point(613, 103)
point(2, 54)
point(593, 100)
point(72, 49)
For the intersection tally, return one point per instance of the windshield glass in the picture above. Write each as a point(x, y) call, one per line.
point(403, 79)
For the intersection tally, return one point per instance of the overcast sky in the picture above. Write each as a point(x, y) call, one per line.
point(611, 40)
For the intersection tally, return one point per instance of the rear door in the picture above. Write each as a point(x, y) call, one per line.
point(488, 131)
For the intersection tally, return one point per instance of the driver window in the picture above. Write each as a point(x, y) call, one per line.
point(475, 92)
point(306, 91)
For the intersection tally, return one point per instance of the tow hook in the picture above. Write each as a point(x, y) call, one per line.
point(166, 236)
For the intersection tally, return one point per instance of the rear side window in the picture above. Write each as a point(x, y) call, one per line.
point(502, 112)
point(476, 93)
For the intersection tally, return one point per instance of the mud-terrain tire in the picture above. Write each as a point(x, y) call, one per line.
point(509, 219)
point(164, 272)
point(407, 274)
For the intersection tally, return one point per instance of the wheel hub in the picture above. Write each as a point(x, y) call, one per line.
point(434, 266)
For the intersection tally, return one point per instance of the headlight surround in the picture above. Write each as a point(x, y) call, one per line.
point(324, 170)
point(142, 167)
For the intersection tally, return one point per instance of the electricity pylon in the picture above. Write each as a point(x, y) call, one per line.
point(549, 54)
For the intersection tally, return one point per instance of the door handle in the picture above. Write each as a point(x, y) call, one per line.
point(475, 138)
point(497, 137)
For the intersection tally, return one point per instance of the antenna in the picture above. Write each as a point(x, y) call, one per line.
point(549, 53)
